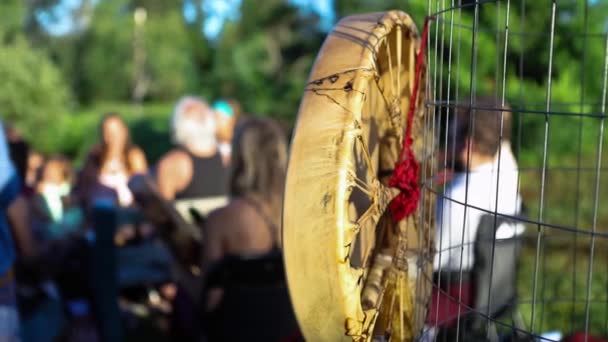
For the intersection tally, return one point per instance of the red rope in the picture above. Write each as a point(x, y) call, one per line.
point(405, 175)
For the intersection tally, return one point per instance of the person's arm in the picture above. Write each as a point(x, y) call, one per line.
point(213, 236)
point(138, 161)
point(226, 153)
point(165, 178)
point(12, 204)
point(174, 172)
point(86, 179)
point(17, 214)
point(213, 252)
point(18, 219)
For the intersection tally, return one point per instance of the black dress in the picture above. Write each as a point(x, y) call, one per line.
point(255, 305)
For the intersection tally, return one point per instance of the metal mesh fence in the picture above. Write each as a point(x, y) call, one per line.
point(521, 235)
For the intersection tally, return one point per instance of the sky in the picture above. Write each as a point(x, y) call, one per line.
point(324, 8)
point(59, 22)
point(218, 11)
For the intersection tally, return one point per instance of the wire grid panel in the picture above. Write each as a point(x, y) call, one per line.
point(539, 271)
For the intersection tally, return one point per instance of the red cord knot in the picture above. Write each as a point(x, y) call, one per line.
point(405, 175)
point(405, 178)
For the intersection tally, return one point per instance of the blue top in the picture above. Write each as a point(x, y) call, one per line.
point(10, 187)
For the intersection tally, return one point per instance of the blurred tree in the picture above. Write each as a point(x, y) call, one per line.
point(100, 60)
point(578, 56)
point(157, 6)
point(417, 9)
point(107, 54)
point(264, 58)
point(33, 95)
point(170, 55)
point(14, 13)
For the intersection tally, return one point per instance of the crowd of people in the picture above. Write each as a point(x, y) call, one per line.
point(224, 182)
point(224, 177)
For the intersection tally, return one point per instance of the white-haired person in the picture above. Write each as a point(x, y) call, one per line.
point(193, 177)
point(192, 174)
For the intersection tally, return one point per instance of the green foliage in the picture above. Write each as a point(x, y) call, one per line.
point(263, 60)
point(169, 61)
point(107, 54)
point(13, 13)
point(566, 192)
point(33, 94)
point(561, 287)
point(107, 47)
point(578, 59)
point(417, 9)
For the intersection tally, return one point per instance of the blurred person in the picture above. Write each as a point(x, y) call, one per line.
point(193, 177)
point(103, 182)
point(248, 228)
point(192, 174)
point(19, 151)
point(39, 260)
point(17, 243)
point(250, 223)
point(226, 119)
point(18, 210)
point(52, 218)
point(110, 164)
point(504, 157)
point(35, 160)
point(476, 183)
point(40, 303)
point(107, 170)
point(53, 213)
point(9, 193)
point(31, 263)
point(237, 110)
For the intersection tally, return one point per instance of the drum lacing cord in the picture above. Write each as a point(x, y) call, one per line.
point(405, 175)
